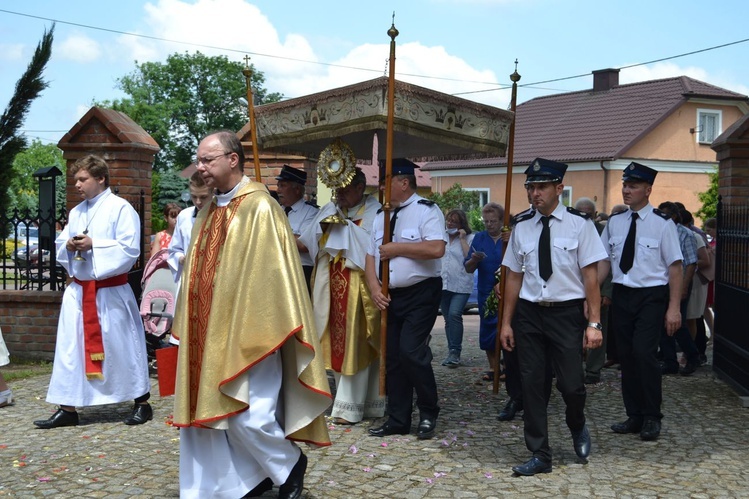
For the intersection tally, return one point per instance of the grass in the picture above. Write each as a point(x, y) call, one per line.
point(23, 368)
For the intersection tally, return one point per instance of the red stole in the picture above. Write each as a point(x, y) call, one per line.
point(92, 341)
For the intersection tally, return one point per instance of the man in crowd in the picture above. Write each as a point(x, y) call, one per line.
point(100, 354)
point(595, 357)
point(645, 260)
point(200, 195)
point(344, 311)
point(250, 376)
point(301, 213)
point(552, 272)
point(688, 245)
point(418, 242)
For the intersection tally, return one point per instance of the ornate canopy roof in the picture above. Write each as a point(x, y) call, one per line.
point(427, 124)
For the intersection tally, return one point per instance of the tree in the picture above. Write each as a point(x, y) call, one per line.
point(180, 101)
point(457, 198)
point(167, 188)
point(23, 193)
point(28, 88)
point(709, 198)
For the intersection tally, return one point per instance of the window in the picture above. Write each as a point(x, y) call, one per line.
point(709, 125)
point(483, 195)
point(566, 196)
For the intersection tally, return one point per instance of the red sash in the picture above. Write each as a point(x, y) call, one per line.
point(92, 341)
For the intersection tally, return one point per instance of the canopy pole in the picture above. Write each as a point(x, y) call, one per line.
point(247, 72)
point(515, 77)
point(385, 274)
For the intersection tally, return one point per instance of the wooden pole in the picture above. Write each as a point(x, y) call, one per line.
point(247, 72)
point(515, 77)
point(385, 274)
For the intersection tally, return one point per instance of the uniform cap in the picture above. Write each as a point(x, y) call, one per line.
point(639, 173)
point(293, 175)
point(544, 170)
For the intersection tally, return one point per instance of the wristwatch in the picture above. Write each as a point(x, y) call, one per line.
point(596, 325)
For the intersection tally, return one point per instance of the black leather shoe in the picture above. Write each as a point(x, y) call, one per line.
point(260, 488)
point(293, 487)
point(629, 426)
point(388, 429)
point(592, 379)
point(141, 414)
point(60, 418)
point(689, 369)
point(581, 442)
point(532, 467)
point(668, 369)
point(511, 408)
point(426, 428)
point(651, 429)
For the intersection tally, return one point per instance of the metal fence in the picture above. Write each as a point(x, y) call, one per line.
point(28, 250)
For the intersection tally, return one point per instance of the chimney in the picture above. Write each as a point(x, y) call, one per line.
point(605, 79)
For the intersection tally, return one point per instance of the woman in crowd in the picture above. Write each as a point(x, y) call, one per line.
point(457, 284)
point(485, 254)
point(162, 238)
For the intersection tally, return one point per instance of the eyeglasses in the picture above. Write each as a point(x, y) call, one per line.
point(490, 222)
point(207, 161)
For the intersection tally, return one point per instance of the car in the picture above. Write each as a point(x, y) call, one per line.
point(27, 235)
point(29, 255)
point(473, 299)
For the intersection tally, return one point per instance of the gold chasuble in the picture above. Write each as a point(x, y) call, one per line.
point(243, 297)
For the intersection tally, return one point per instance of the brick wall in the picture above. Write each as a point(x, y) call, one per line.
point(29, 322)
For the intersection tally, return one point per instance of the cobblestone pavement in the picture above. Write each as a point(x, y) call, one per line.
point(702, 452)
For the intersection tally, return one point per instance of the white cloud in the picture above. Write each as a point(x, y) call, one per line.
point(661, 70)
point(242, 27)
point(79, 48)
point(11, 51)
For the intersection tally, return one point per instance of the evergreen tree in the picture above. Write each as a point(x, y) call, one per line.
point(28, 88)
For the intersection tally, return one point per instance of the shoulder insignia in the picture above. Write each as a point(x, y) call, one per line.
point(661, 214)
point(578, 213)
point(311, 204)
point(618, 213)
point(426, 202)
point(523, 216)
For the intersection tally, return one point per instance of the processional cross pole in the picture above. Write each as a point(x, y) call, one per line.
point(515, 77)
point(247, 72)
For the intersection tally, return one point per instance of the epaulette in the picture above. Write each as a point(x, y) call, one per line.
point(578, 213)
point(426, 202)
point(618, 213)
point(661, 214)
point(523, 216)
point(312, 204)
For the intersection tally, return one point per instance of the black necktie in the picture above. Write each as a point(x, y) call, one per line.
point(544, 250)
point(287, 210)
point(628, 253)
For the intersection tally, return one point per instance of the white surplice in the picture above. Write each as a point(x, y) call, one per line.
point(114, 228)
point(357, 395)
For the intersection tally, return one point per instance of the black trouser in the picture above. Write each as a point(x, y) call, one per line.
point(546, 336)
point(410, 318)
point(307, 269)
point(668, 343)
point(512, 375)
point(638, 315)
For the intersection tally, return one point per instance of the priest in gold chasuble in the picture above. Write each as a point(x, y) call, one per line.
point(346, 317)
point(250, 377)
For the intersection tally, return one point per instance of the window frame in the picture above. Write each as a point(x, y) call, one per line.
point(700, 131)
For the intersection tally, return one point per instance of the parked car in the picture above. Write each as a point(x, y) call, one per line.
point(27, 235)
point(473, 299)
point(26, 255)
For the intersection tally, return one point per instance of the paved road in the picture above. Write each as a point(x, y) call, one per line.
point(703, 450)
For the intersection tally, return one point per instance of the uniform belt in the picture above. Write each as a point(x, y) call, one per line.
point(554, 304)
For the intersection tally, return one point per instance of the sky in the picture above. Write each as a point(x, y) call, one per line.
point(462, 47)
